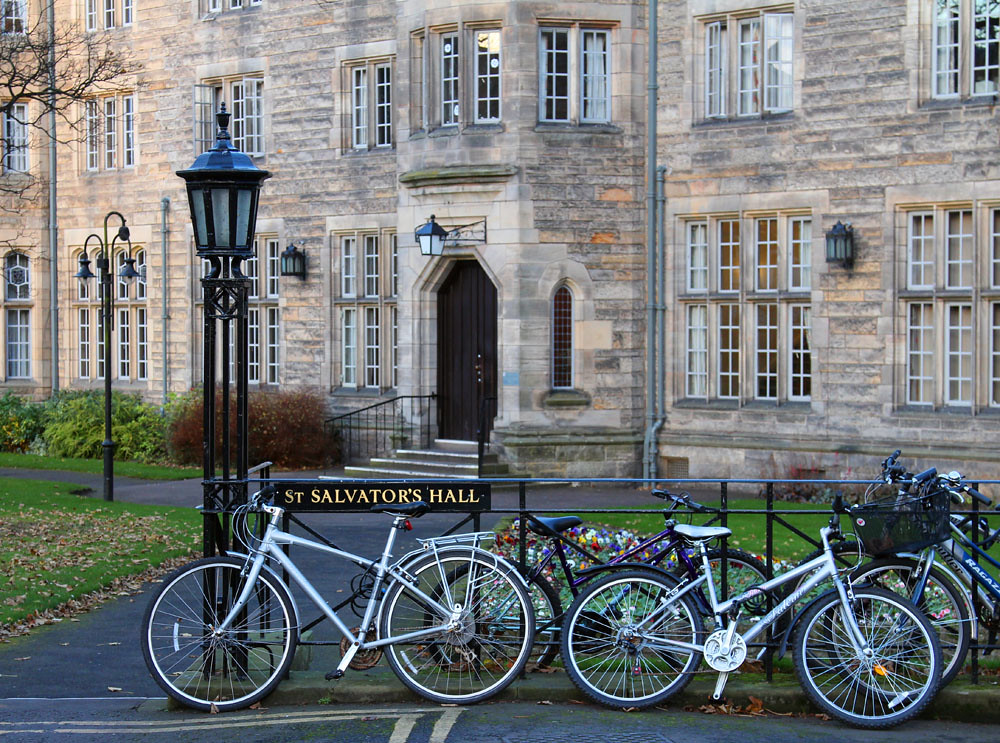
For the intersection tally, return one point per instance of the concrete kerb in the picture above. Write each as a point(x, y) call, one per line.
point(959, 702)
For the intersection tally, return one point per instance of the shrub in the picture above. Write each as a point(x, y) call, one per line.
point(74, 426)
point(284, 427)
point(20, 422)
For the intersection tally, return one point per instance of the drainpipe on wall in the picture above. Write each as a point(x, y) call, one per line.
point(662, 172)
point(53, 221)
point(164, 235)
point(649, 443)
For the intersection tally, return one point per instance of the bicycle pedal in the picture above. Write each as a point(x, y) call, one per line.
point(334, 675)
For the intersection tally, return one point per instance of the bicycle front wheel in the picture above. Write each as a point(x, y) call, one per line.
point(616, 639)
point(895, 682)
point(202, 669)
point(487, 644)
point(943, 602)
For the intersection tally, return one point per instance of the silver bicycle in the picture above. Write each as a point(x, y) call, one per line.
point(864, 655)
point(455, 621)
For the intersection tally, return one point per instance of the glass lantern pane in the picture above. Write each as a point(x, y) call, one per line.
point(198, 208)
point(220, 213)
point(243, 200)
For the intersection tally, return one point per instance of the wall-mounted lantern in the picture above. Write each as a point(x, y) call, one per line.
point(840, 244)
point(293, 262)
point(432, 237)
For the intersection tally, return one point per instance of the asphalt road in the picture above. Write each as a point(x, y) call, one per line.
point(503, 722)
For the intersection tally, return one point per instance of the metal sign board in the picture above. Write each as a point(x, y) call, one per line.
point(334, 496)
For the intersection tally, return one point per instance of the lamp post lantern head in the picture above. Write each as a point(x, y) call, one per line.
point(223, 186)
point(430, 237)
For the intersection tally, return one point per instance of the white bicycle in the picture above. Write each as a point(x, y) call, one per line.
point(454, 620)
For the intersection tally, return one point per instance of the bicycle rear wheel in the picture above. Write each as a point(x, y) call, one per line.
point(893, 684)
point(201, 669)
point(614, 639)
point(489, 643)
point(548, 610)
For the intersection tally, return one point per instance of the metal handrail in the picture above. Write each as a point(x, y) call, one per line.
point(371, 430)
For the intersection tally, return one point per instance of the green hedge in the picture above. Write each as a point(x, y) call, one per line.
point(74, 426)
point(20, 422)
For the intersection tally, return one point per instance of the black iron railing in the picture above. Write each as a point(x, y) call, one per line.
point(487, 412)
point(397, 423)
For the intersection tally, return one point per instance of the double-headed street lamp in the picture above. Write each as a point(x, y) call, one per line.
point(107, 298)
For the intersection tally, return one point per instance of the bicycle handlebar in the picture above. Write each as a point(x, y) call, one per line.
point(682, 499)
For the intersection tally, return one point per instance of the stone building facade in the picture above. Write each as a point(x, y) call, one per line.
point(528, 120)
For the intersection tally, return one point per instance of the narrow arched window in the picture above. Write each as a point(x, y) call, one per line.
point(562, 338)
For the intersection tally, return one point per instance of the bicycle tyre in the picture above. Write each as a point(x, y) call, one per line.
point(943, 603)
point(203, 671)
point(489, 648)
point(547, 606)
point(613, 663)
point(896, 683)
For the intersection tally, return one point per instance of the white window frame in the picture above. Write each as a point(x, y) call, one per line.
point(110, 121)
point(964, 50)
point(920, 250)
point(83, 342)
point(93, 127)
point(697, 253)
point(595, 77)
point(487, 87)
point(273, 343)
point(729, 351)
point(799, 352)
point(141, 343)
point(383, 105)
point(993, 395)
point(748, 64)
point(128, 131)
point(800, 254)
point(349, 347)
point(730, 255)
point(959, 249)
point(18, 329)
point(766, 354)
point(554, 74)
point(372, 346)
point(359, 107)
point(696, 351)
point(767, 254)
point(349, 266)
point(920, 353)
point(253, 345)
point(124, 343)
point(16, 153)
point(15, 17)
point(273, 263)
point(451, 93)
point(958, 356)
point(371, 266)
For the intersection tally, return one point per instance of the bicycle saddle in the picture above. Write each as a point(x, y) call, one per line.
point(413, 510)
point(547, 526)
point(701, 533)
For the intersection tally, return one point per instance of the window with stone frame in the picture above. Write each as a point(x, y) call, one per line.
point(129, 323)
point(244, 99)
point(367, 328)
point(368, 85)
point(562, 338)
point(950, 305)
point(964, 48)
point(104, 15)
point(745, 307)
point(574, 74)
point(222, 6)
point(14, 15)
point(17, 314)
point(110, 137)
point(464, 81)
point(746, 69)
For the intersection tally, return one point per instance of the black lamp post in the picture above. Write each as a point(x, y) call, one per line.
point(107, 298)
point(223, 186)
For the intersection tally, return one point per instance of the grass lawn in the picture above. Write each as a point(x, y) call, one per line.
point(96, 466)
point(56, 547)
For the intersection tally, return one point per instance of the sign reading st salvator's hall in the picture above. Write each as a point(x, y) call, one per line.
point(348, 495)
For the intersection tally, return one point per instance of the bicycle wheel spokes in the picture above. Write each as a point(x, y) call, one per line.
point(616, 640)
point(199, 667)
point(487, 641)
point(892, 684)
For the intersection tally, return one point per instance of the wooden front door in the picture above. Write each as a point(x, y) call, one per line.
point(467, 351)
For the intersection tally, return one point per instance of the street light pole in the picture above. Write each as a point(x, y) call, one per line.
point(107, 312)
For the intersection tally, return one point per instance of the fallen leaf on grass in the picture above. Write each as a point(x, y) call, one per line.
point(258, 706)
point(544, 701)
point(114, 688)
point(27, 657)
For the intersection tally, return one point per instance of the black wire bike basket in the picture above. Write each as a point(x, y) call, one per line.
point(902, 523)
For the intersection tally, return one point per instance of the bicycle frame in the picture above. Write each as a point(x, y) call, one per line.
point(274, 539)
point(819, 569)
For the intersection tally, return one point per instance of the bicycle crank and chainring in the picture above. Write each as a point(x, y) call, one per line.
point(363, 659)
point(722, 658)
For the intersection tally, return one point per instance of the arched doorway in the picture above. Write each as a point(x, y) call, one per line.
point(467, 351)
